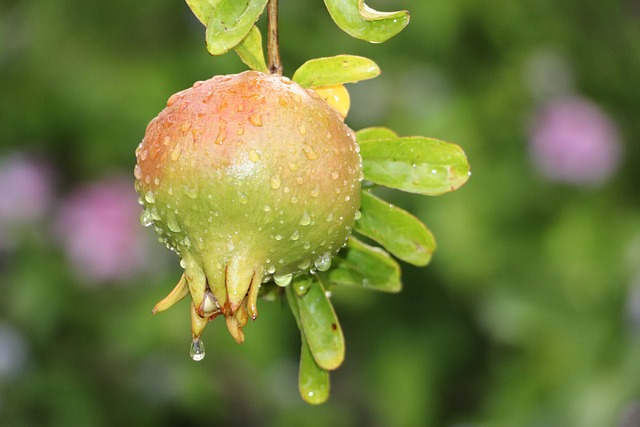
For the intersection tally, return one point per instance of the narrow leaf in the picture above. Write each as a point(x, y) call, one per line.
point(415, 164)
point(230, 22)
point(202, 9)
point(358, 20)
point(321, 327)
point(313, 381)
point(374, 132)
point(250, 51)
point(397, 230)
point(366, 267)
point(335, 70)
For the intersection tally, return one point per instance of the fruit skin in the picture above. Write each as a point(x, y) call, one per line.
point(246, 177)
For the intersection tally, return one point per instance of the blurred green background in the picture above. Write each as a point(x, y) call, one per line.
point(529, 314)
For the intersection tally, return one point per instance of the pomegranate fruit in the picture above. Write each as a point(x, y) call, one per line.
point(247, 177)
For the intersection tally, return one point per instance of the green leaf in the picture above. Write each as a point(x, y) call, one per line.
point(366, 267)
point(374, 132)
point(397, 230)
point(313, 381)
point(335, 70)
point(415, 164)
point(230, 22)
point(202, 9)
point(321, 326)
point(358, 20)
point(250, 51)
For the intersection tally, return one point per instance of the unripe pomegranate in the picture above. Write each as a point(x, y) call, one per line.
point(247, 177)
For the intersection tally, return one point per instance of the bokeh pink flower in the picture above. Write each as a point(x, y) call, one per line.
point(99, 228)
point(573, 141)
point(26, 189)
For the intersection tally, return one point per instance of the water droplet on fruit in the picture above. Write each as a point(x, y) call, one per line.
point(358, 215)
point(243, 198)
point(185, 127)
point(271, 269)
point(145, 218)
point(253, 156)
point(304, 264)
point(309, 152)
point(191, 191)
point(255, 119)
point(240, 131)
point(315, 191)
point(222, 133)
point(267, 208)
point(183, 263)
point(197, 350)
point(137, 172)
point(284, 280)
point(330, 217)
point(302, 129)
point(173, 225)
point(275, 181)
point(335, 175)
point(324, 262)
point(305, 220)
point(173, 99)
point(176, 152)
point(240, 108)
point(278, 237)
point(150, 197)
point(293, 166)
point(295, 235)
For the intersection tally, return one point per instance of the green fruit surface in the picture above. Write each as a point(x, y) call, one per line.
point(248, 175)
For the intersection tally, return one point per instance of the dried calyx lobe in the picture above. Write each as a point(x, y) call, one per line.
point(247, 177)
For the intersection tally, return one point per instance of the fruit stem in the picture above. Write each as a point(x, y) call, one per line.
point(273, 48)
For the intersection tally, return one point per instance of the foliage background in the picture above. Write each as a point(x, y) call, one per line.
point(529, 314)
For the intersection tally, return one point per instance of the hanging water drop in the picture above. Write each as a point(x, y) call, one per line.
point(284, 280)
point(197, 350)
point(324, 262)
point(145, 218)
